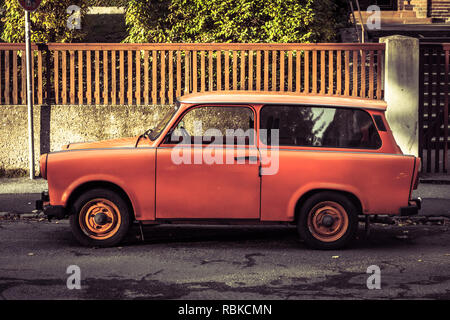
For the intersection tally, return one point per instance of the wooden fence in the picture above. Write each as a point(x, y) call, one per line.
point(433, 106)
point(95, 73)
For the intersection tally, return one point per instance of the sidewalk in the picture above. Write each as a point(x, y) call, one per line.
point(18, 195)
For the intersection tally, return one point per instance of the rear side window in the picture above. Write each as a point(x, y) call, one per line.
point(319, 126)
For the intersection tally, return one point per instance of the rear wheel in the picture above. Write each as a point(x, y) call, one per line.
point(100, 218)
point(327, 220)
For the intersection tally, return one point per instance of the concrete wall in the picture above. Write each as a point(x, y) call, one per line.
point(401, 90)
point(56, 126)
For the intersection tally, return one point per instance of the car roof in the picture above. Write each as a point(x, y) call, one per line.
point(264, 97)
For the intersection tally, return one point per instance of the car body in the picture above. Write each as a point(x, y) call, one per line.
point(317, 161)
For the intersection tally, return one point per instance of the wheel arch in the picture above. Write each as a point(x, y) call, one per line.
point(79, 190)
point(353, 198)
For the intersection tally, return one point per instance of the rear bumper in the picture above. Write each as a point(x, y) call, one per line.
point(58, 212)
point(413, 208)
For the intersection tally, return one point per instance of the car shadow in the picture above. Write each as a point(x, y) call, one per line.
point(283, 237)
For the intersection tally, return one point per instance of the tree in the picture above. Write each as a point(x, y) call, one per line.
point(234, 20)
point(48, 22)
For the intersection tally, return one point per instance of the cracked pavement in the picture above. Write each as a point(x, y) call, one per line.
point(223, 262)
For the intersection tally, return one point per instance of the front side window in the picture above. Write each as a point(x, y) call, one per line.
point(215, 124)
point(317, 126)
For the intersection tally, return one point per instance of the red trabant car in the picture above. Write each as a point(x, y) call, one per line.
point(314, 161)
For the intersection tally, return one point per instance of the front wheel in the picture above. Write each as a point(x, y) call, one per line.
point(101, 218)
point(327, 220)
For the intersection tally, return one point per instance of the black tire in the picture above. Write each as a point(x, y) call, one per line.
point(321, 204)
point(94, 201)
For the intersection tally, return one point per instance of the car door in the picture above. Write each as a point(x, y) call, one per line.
point(208, 166)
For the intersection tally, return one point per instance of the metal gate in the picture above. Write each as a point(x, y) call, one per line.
point(433, 107)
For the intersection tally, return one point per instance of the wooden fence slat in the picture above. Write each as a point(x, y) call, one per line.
point(55, 76)
point(347, 73)
point(314, 71)
point(23, 81)
point(266, 70)
point(363, 74)
point(80, 77)
point(64, 76)
point(88, 78)
point(235, 70)
point(290, 70)
point(298, 71)
point(71, 76)
point(187, 78)
point(306, 71)
point(162, 94)
point(339, 72)
point(330, 72)
point(154, 77)
point(227, 69)
point(178, 73)
point(274, 71)
point(122, 77)
point(355, 73)
point(250, 70)
point(258, 70)
point(97, 77)
point(282, 71)
point(371, 73)
point(130, 77)
point(7, 92)
point(138, 77)
point(322, 71)
point(113, 77)
point(170, 93)
point(219, 70)
point(210, 71)
point(146, 78)
point(194, 71)
point(105, 78)
point(15, 80)
point(202, 71)
point(242, 82)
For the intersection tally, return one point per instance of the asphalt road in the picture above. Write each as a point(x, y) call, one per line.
point(223, 262)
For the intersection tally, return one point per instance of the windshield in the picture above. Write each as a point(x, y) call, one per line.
point(163, 123)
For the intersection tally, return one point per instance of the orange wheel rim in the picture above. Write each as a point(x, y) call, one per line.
point(328, 221)
point(99, 219)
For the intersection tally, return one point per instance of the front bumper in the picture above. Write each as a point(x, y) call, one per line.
point(413, 208)
point(58, 212)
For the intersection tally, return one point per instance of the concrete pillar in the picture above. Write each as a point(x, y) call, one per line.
point(401, 90)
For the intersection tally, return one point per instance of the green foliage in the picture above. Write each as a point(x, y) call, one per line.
point(234, 20)
point(48, 22)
